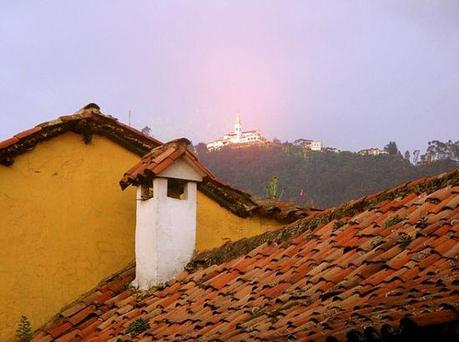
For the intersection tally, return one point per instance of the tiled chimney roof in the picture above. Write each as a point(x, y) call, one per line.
point(159, 159)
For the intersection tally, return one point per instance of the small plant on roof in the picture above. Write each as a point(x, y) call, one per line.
point(255, 310)
point(392, 221)
point(338, 224)
point(138, 326)
point(422, 223)
point(404, 240)
point(378, 240)
point(24, 330)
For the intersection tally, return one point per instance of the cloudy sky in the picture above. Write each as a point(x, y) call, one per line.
point(351, 73)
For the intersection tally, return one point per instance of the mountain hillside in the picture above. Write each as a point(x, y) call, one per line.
point(324, 178)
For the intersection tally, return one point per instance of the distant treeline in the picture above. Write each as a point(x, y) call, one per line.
point(319, 179)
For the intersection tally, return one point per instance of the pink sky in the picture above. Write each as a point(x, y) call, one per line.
point(353, 74)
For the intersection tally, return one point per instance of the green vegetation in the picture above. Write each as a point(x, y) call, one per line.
point(136, 327)
point(422, 223)
point(404, 240)
point(441, 150)
point(338, 224)
point(272, 189)
point(392, 148)
point(24, 331)
point(327, 178)
point(392, 221)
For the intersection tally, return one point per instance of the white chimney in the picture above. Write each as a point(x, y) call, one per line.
point(165, 234)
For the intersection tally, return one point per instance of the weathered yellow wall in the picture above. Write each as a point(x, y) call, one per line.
point(217, 225)
point(65, 224)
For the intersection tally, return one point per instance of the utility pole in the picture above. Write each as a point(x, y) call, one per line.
point(129, 118)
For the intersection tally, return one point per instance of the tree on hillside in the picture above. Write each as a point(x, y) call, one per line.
point(272, 189)
point(201, 148)
point(392, 148)
point(439, 150)
point(407, 155)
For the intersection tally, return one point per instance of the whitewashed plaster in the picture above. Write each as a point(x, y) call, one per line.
point(182, 169)
point(165, 229)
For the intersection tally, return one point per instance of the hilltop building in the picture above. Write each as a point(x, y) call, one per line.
point(237, 137)
point(374, 151)
point(309, 144)
point(313, 145)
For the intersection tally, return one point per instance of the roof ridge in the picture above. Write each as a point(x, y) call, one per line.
point(235, 249)
point(159, 159)
point(86, 121)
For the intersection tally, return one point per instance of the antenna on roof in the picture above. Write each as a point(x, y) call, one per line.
point(129, 118)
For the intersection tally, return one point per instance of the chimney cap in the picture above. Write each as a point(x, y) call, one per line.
point(159, 159)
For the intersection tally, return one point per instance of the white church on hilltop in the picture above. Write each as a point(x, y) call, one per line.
point(237, 138)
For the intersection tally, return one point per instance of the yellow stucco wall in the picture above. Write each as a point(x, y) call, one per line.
point(217, 225)
point(65, 225)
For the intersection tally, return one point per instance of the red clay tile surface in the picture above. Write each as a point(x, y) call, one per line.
point(284, 210)
point(159, 159)
point(372, 273)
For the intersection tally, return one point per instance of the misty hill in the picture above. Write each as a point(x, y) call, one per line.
point(326, 178)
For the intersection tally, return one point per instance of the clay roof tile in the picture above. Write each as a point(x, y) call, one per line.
point(300, 282)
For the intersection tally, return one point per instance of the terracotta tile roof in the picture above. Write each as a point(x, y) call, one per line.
point(383, 265)
point(237, 201)
point(245, 205)
point(288, 211)
point(87, 121)
point(159, 159)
